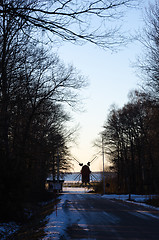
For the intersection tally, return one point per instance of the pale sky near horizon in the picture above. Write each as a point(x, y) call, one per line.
point(111, 78)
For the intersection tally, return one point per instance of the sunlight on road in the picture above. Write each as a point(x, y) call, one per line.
point(72, 190)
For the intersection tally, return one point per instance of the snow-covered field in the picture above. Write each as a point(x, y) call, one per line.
point(61, 218)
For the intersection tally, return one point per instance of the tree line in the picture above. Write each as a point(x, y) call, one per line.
point(35, 86)
point(131, 133)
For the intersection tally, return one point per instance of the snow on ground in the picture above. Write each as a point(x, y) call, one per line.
point(6, 229)
point(135, 199)
point(61, 218)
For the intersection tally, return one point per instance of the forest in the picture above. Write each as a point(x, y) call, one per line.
point(131, 133)
point(36, 87)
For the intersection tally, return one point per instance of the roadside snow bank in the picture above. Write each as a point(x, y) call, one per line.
point(6, 229)
point(135, 199)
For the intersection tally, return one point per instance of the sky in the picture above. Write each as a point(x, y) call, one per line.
point(111, 77)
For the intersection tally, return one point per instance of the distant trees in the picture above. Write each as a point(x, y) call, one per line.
point(130, 133)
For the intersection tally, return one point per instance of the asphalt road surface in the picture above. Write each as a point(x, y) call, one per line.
point(90, 216)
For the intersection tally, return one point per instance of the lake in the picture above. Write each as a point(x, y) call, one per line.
point(76, 176)
point(94, 177)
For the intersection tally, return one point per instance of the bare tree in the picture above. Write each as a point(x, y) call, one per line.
point(149, 62)
point(31, 83)
point(131, 133)
point(67, 19)
point(71, 20)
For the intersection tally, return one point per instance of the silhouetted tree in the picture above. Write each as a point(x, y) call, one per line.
point(34, 84)
point(70, 20)
point(67, 20)
point(130, 134)
point(149, 68)
point(37, 86)
point(149, 62)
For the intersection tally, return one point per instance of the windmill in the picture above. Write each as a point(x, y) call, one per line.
point(85, 172)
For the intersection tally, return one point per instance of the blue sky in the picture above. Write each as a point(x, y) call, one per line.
point(111, 77)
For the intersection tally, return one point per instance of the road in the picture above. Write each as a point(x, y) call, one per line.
point(90, 216)
point(81, 215)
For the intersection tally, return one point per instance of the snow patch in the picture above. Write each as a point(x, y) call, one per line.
point(6, 229)
point(63, 216)
point(135, 199)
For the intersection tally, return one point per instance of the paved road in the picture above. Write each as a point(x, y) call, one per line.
point(89, 216)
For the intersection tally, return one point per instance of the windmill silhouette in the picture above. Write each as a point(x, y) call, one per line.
point(85, 172)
